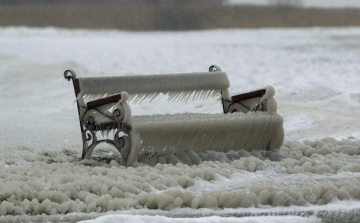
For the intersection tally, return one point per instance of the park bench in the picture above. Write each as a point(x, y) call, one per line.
point(249, 121)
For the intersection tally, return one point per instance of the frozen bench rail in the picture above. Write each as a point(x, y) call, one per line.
point(102, 106)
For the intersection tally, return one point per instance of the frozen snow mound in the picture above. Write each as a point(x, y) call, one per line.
point(249, 122)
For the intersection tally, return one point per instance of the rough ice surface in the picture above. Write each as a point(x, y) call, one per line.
point(160, 82)
point(160, 219)
point(300, 174)
point(156, 135)
point(313, 177)
point(169, 134)
point(179, 87)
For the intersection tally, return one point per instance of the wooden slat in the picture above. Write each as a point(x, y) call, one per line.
point(103, 101)
point(248, 95)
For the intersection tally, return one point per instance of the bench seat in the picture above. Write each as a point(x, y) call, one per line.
point(164, 134)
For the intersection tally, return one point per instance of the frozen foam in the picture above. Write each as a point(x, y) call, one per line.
point(40, 188)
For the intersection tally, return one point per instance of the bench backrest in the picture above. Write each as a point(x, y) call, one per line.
point(177, 86)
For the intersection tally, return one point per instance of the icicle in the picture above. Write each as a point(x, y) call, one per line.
point(145, 96)
point(172, 96)
point(185, 96)
point(195, 95)
point(137, 98)
point(151, 95)
point(215, 93)
point(208, 94)
point(182, 96)
point(140, 97)
point(154, 96)
point(131, 98)
point(201, 95)
point(188, 96)
point(102, 133)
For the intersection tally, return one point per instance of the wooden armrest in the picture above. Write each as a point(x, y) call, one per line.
point(248, 95)
point(103, 101)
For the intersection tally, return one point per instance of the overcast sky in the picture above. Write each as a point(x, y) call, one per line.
point(310, 3)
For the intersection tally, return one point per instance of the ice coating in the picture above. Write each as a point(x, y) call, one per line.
point(179, 87)
point(169, 134)
point(154, 135)
point(104, 113)
point(299, 174)
point(161, 134)
point(269, 97)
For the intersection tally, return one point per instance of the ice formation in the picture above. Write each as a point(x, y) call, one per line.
point(313, 172)
point(179, 87)
point(269, 97)
point(104, 113)
point(156, 135)
point(161, 134)
point(318, 97)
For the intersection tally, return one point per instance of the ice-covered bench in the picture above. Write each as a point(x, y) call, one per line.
point(249, 121)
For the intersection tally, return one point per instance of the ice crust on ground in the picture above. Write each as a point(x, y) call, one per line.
point(161, 219)
point(300, 174)
point(315, 72)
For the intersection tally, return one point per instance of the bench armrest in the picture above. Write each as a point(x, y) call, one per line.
point(248, 95)
point(104, 101)
point(245, 102)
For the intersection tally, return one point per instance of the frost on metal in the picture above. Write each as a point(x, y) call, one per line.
point(249, 121)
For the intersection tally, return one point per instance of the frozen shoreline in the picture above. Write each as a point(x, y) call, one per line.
point(315, 72)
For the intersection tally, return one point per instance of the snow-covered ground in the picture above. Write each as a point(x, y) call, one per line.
point(314, 177)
